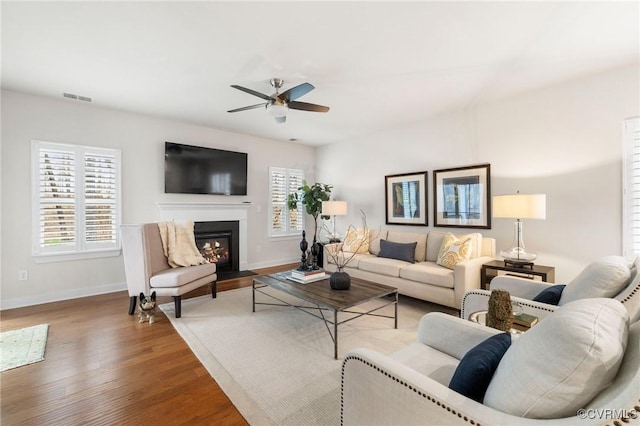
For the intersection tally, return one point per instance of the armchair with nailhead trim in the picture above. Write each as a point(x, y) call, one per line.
point(604, 277)
point(411, 386)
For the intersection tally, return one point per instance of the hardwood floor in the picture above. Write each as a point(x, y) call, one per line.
point(102, 367)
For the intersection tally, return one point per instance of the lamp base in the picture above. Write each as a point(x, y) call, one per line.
point(518, 264)
point(518, 255)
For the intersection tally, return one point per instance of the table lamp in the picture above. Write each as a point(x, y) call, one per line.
point(519, 206)
point(334, 208)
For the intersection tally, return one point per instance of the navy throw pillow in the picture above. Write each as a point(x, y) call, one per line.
point(550, 295)
point(476, 368)
point(399, 251)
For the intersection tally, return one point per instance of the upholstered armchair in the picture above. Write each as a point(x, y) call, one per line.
point(610, 276)
point(578, 367)
point(147, 268)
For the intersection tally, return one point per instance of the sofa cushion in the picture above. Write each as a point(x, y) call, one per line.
point(399, 251)
point(550, 295)
point(605, 277)
point(381, 265)
point(434, 242)
point(428, 273)
point(476, 368)
point(409, 237)
point(453, 251)
point(374, 240)
point(356, 240)
point(427, 361)
point(559, 365)
point(180, 276)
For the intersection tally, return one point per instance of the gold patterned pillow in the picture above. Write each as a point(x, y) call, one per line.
point(453, 250)
point(356, 241)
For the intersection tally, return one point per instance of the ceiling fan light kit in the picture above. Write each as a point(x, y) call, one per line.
point(278, 104)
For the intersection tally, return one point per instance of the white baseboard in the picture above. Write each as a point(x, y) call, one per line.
point(272, 263)
point(21, 302)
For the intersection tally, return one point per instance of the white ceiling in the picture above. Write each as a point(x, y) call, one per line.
point(378, 65)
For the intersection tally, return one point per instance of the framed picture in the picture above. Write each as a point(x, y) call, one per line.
point(462, 197)
point(406, 199)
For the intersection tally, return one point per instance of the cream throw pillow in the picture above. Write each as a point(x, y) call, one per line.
point(356, 241)
point(606, 277)
point(453, 250)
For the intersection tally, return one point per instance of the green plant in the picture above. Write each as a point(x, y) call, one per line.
point(311, 198)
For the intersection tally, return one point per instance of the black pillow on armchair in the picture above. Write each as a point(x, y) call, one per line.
point(550, 295)
point(476, 368)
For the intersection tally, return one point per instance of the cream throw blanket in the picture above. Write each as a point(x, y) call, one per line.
point(179, 244)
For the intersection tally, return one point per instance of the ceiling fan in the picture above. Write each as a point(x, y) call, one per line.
point(278, 103)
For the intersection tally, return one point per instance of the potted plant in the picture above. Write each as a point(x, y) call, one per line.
point(311, 198)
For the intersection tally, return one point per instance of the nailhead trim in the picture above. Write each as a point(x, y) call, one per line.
point(633, 293)
point(402, 382)
point(636, 409)
point(429, 398)
point(538, 307)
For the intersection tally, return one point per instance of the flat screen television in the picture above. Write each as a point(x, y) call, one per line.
point(199, 170)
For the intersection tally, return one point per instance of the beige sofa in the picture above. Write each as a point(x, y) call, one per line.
point(424, 279)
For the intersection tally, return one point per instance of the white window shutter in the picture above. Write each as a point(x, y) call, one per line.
point(56, 192)
point(76, 201)
point(631, 188)
point(101, 195)
point(296, 217)
point(282, 182)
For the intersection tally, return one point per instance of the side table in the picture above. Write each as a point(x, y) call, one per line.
point(481, 318)
point(490, 270)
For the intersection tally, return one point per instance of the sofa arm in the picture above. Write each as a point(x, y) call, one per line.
point(466, 277)
point(478, 300)
point(448, 334)
point(519, 287)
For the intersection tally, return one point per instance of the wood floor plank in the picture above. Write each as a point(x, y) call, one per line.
point(102, 367)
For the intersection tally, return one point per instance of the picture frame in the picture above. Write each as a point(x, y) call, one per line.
point(406, 199)
point(462, 197)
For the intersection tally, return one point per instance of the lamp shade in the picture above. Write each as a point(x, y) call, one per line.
point(520, 206)
point(334, 208)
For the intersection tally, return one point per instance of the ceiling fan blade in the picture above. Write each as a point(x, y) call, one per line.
point(249, 107)
point(295, 92)
point(303, 106)
point(252, 92)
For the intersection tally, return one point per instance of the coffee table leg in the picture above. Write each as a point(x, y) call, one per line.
point(396, 312)
point(335, 334)
point(253, 293)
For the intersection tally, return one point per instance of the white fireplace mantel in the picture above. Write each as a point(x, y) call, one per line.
point(211, 211)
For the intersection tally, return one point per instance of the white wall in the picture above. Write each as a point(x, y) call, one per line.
point(141, 139)
point(564, 141)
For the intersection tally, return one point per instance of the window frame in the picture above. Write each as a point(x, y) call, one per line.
point(80, 247)
point(288, 232)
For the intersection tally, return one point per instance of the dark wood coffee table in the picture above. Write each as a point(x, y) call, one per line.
point(322, 298)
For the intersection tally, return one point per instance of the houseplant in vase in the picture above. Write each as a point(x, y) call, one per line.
point(311, 197)
point(357, 241)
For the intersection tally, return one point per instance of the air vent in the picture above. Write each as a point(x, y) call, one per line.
point(77, 97)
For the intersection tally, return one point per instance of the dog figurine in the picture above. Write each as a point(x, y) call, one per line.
point(147, 308)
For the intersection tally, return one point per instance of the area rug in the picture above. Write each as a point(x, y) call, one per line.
point(23, 346)
point(276, 365)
